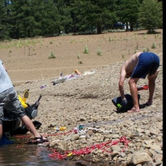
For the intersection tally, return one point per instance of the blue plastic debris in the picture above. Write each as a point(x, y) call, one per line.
point(4, 141)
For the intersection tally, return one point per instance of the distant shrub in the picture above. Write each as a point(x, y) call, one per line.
point(51, 56)
point(153, 46)
point(86, 50)
point(99, 52)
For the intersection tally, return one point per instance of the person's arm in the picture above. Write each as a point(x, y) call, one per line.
point(121, 84)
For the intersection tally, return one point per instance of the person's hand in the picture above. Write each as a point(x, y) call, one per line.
point(124, 102)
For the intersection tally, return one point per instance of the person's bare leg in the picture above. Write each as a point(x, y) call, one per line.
point(1, 131)
point(134, 94)
point(151, 79)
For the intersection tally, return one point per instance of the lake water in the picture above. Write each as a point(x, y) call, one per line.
point(26, 155)
point(21, 154)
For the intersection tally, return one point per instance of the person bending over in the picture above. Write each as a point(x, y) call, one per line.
point(139, 66)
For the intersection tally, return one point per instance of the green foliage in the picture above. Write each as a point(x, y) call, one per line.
point(51, 56)
point(99, 52)
point(78, 56)
point(4, 21)
point(109, 39)
point(153, 46)
point(32, 18)
point(127, 11)
point(146, 50)
point(145, 36)
point(93, 14)
point(20, 43)
point(27, 18)
point(86, 50)
point(150, 15)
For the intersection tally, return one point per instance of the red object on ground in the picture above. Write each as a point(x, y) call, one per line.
point(145, 87)
point(89, 149)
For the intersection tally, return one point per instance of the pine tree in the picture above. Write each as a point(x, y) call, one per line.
point(4, 20)
point(150, 15)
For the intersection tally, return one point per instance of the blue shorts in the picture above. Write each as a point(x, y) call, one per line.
point(10, 101)
point(148, 63)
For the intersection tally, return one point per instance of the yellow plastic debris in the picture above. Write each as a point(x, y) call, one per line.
point(69, 154)
point(22, 102)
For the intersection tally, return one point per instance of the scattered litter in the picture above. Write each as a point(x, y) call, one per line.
point(43, 86)
point(77, 72)
point(145, 87)
point(70, 76)
point(59, 128)
point(57, 81)
point(88, 72)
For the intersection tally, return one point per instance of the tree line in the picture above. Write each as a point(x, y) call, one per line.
point(31, 18)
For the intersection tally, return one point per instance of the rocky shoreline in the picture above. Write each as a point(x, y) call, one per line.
point(95, 131)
